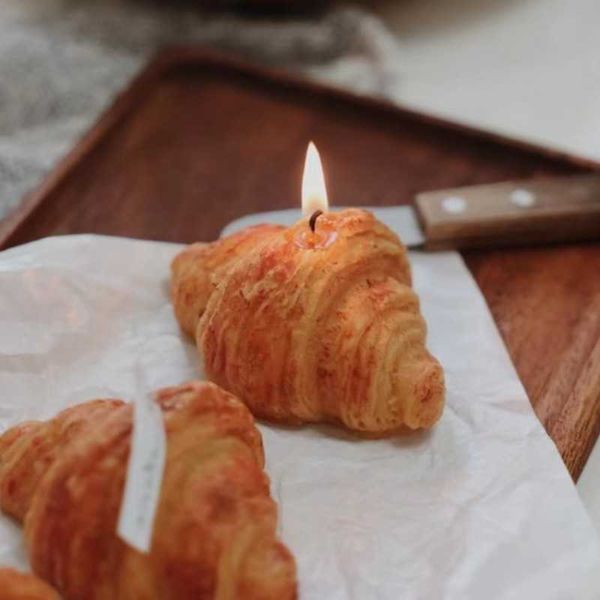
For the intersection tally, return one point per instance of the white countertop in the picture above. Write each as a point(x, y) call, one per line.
point(527, 68)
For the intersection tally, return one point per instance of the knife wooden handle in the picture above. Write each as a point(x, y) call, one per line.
point(512, 213)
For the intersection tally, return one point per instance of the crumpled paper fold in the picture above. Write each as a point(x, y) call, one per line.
point(479, 507)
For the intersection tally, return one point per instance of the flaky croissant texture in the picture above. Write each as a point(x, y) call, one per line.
point(312, 326)
point(214, 533)
point(15, 585)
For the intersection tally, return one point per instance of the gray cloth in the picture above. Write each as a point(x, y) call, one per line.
point(62, 61)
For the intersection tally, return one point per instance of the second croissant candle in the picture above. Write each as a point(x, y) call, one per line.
point(317, 322)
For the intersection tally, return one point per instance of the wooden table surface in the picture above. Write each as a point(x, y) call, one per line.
point(199, 140)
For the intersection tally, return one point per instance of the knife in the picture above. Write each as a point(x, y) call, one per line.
point(537, 211)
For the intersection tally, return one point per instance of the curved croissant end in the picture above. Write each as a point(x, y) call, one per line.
point(194, 270)
point(15, 585)
point(215, 529)
point(313, 327)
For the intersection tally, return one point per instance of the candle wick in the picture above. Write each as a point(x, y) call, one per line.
point(312, 222)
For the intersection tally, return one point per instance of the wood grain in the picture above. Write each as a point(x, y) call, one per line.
point(199, 140)
point(540, 211)
point(546, 303)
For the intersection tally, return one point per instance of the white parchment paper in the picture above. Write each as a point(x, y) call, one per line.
point(479, 508)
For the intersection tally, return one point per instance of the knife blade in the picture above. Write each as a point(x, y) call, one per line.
point(537, 211)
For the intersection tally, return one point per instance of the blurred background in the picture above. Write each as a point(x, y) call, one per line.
point(529, 69)
point(526, 68)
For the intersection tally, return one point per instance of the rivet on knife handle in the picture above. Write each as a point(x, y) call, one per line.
point(512, 213)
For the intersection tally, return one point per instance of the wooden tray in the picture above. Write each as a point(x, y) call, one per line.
point(199, 139)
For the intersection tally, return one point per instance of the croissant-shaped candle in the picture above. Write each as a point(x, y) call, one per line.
point(15, 585)
point(214, 533)
point(308, 326)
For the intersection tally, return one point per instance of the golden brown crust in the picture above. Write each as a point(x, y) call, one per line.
point(322, 327)
point(27, 451)
point(192, 287)
point(15, 585)
point(215, 529)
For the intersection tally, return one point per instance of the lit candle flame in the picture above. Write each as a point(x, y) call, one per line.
point(314, 193)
